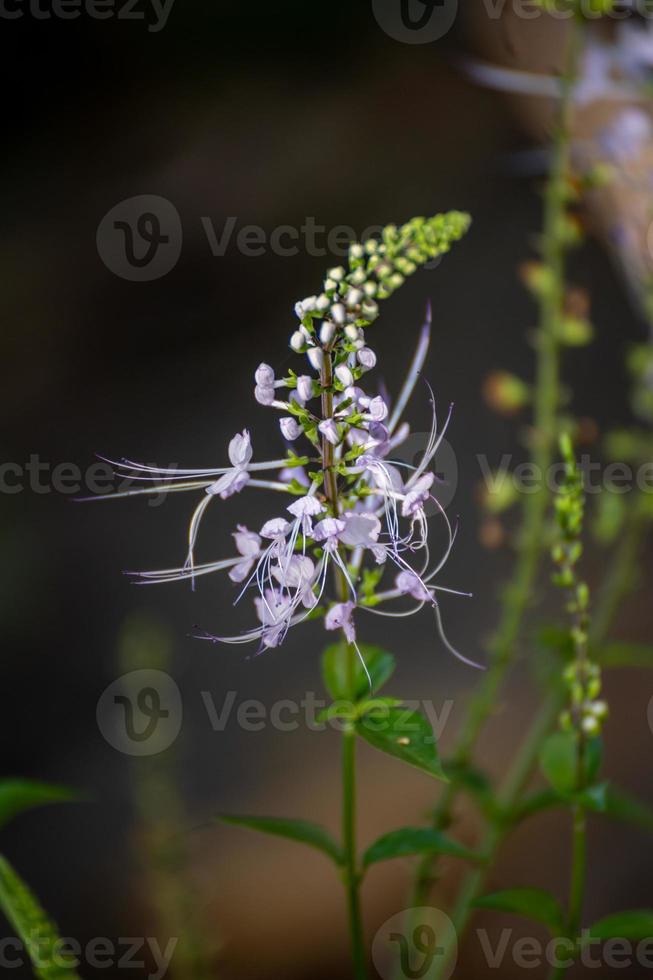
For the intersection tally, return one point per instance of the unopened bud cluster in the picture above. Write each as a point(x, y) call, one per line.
point(582, 677)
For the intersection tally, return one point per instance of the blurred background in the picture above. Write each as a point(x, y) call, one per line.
point(269, 115)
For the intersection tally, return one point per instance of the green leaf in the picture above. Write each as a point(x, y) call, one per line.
point(42, 943)
point(624, 655)
point(404, 734)
point(301, 831)
point(621, 806)
point(559, 761)
point(634, 925)
point(336, 664)
point(415, 840)
point(533, 903)
point(17, 795)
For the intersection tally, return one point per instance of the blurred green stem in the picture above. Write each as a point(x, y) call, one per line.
point(352, 875)
point(546, 400)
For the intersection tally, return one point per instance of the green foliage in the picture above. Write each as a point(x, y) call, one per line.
point(18, 795)
point(42, 943)
point(302, 831)
point(624, 655)
point(404, 734)
point(415, 840)
point(559, 761)
point(336, 665)
point(532, 903)
point(634, 925)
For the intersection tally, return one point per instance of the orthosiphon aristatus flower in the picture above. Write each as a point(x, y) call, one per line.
point(355, 507)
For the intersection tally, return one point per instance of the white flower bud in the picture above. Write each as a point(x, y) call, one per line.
point(370, 310)
point(297, 341)
point(377, 409)
point(329, 430)
point(264, 376)
point(328, 331)
point(323, 303)
point(306, 333)
point(264, 394)
point(590, 725)
point(352, 332)
point(366, 358)
point(370, 289)
point(315, 357)
point(304, 387)
point(344, 375)
point(330, 285)
point(356, 251)
point(339, 313)
point(290, 428)
point(357, 278)
point(337, 273)
point(353, 297)
point(308, 304)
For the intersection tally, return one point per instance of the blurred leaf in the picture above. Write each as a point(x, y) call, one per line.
point(624, 655)
point(621, 806)
point(336, 664)
point(558, 759)
point(301, 831)
point(415, 840)
point(18, 795)
point(634, 925)
point(533, 903)
point(404, 734)
point(42, 943)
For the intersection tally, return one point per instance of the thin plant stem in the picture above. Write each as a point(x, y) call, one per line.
point(351, 871)
point(615, 586)
point(518, 594)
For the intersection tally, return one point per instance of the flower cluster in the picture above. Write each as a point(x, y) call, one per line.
point(355, 510)
point(581, 676)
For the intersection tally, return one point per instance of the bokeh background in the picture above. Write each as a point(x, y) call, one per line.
point(272, 114)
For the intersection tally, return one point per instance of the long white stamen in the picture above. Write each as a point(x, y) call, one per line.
point(413, 372)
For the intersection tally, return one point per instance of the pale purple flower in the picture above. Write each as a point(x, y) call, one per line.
point(339, 617)
point(625, 137)
point(297, 574)
point(290, 428)
point(304, 510)
point(315, 357)
point(273, 610)
point(377, 410)
point(413, 503)
point(248, 544)
point(233, 481)
point(360, 530)
point(327, 532)
point(411, 584)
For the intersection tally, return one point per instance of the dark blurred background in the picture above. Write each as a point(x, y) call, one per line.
point(272, 114)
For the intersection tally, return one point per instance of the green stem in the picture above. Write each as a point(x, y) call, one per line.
point(352, 875)
point(546, 400)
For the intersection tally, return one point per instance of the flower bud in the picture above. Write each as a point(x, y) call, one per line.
point(505, 393)
point(352, 332)
point(337, 273)
point(356, 251)
point(370, 310)
point(344, 375)
point(357, 278)
point(323, 303)
point(264, 376)
point(329, 430)
point(315, 357)
point(304, 387)
point(297, 341)
point(264, 394)
point(353, 297)
point(339, 313)
point(327, 332)
point(366, 358)
point(290, 428)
